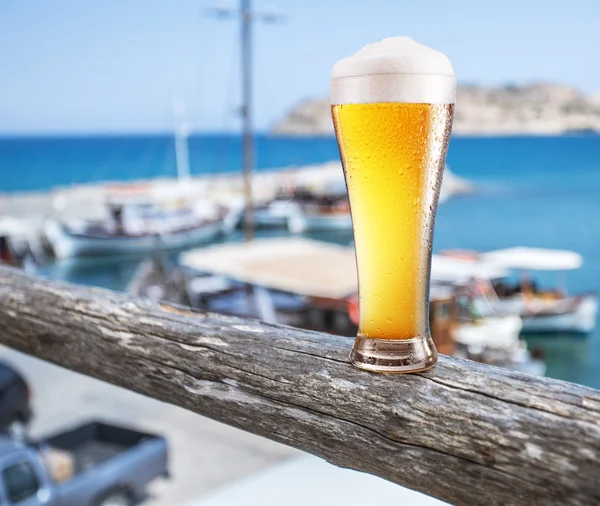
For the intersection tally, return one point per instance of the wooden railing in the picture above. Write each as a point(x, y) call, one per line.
point(464, 432)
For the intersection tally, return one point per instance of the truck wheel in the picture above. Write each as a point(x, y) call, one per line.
point(116, 499)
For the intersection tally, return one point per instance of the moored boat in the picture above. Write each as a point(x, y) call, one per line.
point(138, 222)
point(275, 214)
point(302, 210)
point(542, 310)
point(475, 329)
point(331, 213)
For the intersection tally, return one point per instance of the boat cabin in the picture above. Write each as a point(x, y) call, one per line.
point(516, 290)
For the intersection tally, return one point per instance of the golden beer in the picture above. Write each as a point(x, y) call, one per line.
point(393, 160)
point(393, 152)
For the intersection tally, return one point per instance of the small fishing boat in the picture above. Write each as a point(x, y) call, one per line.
point(542, 310)
point(475, 329)
point(489, 338)
point(302, 210)
point(275, 214)
point(321, 212)
point(137, 221)
point(139, 218)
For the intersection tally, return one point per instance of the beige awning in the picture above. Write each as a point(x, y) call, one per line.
point(293, 265)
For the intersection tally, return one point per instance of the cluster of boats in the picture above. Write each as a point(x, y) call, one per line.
point(141, 218)
point(477, 309)
point(480, 303)
point(138, 219)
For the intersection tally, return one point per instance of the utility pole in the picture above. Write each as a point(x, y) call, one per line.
point(246, 16)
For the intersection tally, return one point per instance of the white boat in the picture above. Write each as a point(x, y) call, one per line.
point(305, 212)
point(325, 207)
point(275, 214)
point(138, 219)
point(493, 331)
point(485, 336)
point(142, 218)
point(542, 311)
point(74, 239)
point(476, 330)
point(573, 314)
point(566, 314)
point(313, 218)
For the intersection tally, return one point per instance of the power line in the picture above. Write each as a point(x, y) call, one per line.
point(247, 17)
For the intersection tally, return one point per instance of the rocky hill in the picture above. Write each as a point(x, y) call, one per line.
point(530, 109)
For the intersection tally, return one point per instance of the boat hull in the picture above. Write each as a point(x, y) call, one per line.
point(265, 219)
point(322, 222)
point(329, 222)
point(582, 320)
point(499, 332)
point(68, 245)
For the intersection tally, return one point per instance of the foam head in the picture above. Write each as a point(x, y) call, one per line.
point(397, 69)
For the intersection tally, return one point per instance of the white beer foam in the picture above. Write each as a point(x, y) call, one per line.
point(397, 69)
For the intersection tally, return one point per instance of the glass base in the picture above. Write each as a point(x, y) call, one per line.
point(394, 355)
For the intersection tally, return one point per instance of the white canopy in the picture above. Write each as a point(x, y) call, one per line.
point(534, 259)
point(458, 271)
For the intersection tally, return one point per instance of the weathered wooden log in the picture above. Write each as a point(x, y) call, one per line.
point(464, 432)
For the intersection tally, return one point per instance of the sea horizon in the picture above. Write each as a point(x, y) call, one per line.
point(42, 162)
point(262, 133)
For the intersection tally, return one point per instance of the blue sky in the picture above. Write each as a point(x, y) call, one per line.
point(117, 65)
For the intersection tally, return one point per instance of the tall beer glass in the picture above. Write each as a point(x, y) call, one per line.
point(392, 105)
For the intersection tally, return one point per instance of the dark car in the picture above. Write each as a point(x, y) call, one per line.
point(15, 409)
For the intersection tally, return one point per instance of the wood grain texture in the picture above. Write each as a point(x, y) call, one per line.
point(464, 432)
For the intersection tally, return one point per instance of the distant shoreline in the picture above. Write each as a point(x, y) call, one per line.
point(545, 109)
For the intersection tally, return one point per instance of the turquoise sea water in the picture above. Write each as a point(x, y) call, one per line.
point(533, 191)
point(42, 162)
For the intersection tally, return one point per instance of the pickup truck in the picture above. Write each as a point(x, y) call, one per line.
point(95, 464)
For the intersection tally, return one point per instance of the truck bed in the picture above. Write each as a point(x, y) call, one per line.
point(93, 443)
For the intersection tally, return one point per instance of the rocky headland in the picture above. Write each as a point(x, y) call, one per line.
point(537, 109)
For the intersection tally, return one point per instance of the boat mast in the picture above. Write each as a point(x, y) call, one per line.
point(247, 17)
point(247, 139)
point(182, 158)
point(181, 132)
